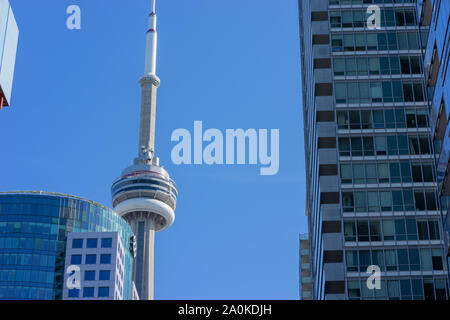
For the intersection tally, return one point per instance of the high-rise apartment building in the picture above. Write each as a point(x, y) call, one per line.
point(9, 34)
point(371, 185)
point(433, 17)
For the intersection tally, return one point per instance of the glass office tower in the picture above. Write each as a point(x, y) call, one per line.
point(33, 233)
point(371, 184)
point(9, 34)
point(433, 17)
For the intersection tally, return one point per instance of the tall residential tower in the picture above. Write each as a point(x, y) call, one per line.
point(144, 195)
point(370, 162)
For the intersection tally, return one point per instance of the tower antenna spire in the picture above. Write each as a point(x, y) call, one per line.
point(152, 42)
point(149, 84)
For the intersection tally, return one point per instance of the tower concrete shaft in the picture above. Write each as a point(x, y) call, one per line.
point(149, 87)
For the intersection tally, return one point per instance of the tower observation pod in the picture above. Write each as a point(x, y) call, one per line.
point(145, 195)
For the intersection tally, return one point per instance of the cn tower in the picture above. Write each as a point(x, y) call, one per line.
point(145, 195)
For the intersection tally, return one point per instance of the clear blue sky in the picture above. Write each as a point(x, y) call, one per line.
point(73, 126)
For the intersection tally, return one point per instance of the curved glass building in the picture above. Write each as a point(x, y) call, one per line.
point(33, 235)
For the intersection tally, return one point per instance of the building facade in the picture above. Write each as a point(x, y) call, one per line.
point(98, 259)
point(434, 16)
point(305, 268)
point(9, 34)
point(371, 185)
point(34, 228)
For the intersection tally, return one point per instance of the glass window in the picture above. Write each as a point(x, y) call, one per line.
point(349, 230)
point(397, 91)
point(360, 202)
point(360, 42)
point(404, 62)
point(434, 230)
point(418, 92)
point(388, 230)
point(372, 200)
point(378, 119)
point(346, 174)
point(344, 147)
point(384, 65)
point(74, 293)
point(349, 42)
point(406, 171)
point(354, 291)
point(393, 289)
point(371, 173)
point(376, 91)
point(389, 116)
point(403, 263)
point(408, 200)
point(91, 259)
point(415, 65)
point(413, 42)
point(355, 121)
point(91, 243)
point(106, 242)
point(103, 292)
point(353, 92)
point(363, 231)
point(411, 229)
point(375, 231)
point(391, 260)
point(402, 41)
point(397, 200)
point(400, 230)
point(392, 145)
point(339, 66)
point(105, 275)
point(89, 275)
point(372, 41)
point(368, 146)
point(395, 65)
point(381, 146)
point(358, 174)
point(383, 173)
point(356, 144)
point(105, 259)
point(362, 66)
point(88, 292)
point(366, 115)
point(436, 258)
point(340, 92)
point(431, 200)
point(422, 227)
point(342, 118)
point(75, 259)
point(364, 260)
point(386, 200)
point(394, 169)
point(425, 255)
point(352, 260)
point(364, 92)
point(408, 92)
point(417, 172)
point(374, 66)
point(77, 243)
